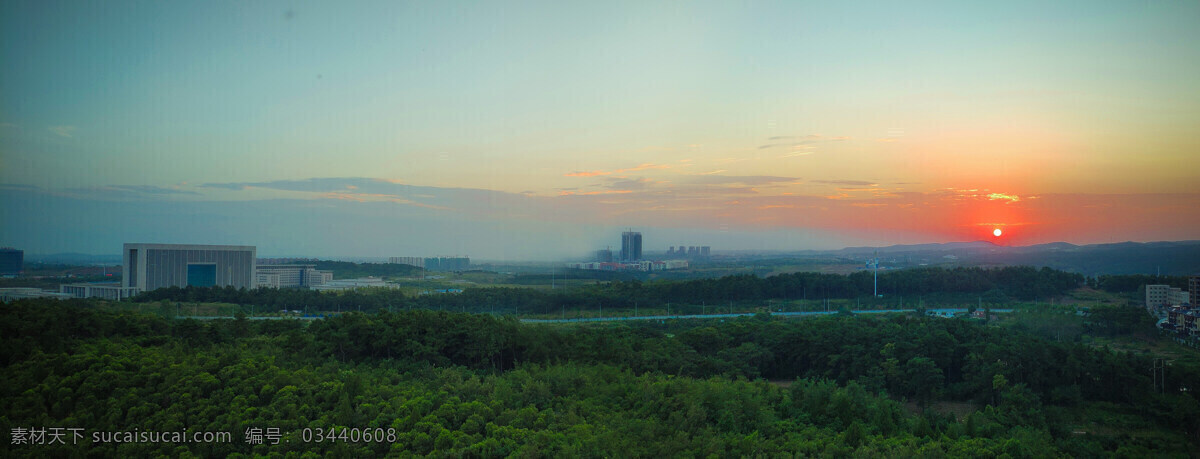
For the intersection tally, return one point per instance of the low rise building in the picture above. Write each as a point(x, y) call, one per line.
point(105, 290)
point(21, 293)
point(354, 284)
point(291, 276)
point(643, 265)
point(1185, 322)
point(411, 261)
point(1162, 296)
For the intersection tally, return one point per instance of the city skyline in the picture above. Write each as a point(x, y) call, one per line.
point(538, 131)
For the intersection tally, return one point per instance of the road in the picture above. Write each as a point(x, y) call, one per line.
point(933, 312)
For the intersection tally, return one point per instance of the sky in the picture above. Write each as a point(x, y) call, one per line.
point(541, 130)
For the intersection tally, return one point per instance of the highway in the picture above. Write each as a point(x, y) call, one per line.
point(933, 312)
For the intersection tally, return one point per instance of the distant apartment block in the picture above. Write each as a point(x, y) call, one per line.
point(1194, 291)
point(643, 265)
point(1159, 296)
point(695, 251)
point(631, 246)
point(1156, 295)
point(12, 261)
point(448, 264)
point(106, 290)
point(603, 256)
point(284, 261)
point(152, 266)
point(290, 276)
point(411, 261)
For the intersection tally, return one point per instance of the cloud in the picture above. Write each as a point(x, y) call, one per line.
point(640, 167)
point(845, 182)
point(644, 166)
point(791, 137)
point(19, 187)
point(327, 214)
point(463, 201)
point(151, 189)
point(124, 192)
point(752, 180)
point(1009, 197)
point(629, 184)
point(225, 186)
point(799, 141)
point(588, 174)
point(593, 193)
point(63, 131)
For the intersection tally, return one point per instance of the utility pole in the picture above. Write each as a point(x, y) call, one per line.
point(1158, 373)
point(876, 261)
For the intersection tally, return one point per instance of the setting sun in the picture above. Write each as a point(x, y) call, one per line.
point(997, 232)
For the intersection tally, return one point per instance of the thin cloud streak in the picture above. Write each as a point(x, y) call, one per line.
point(733, 204)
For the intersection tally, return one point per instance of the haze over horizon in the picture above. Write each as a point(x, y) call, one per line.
point(542, 130)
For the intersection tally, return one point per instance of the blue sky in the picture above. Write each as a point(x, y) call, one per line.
point(704, 121)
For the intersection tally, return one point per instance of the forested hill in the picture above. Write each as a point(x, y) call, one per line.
point(991, 285)
point(459, 384)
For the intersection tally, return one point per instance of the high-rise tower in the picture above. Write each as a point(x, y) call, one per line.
point(631, 246)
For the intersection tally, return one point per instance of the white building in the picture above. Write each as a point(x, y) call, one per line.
point(353, 284)
point(1158, 295)
point(108, 291)
point(21, 293)
point(1178, 297)
point(290, 276)
point(152, 266)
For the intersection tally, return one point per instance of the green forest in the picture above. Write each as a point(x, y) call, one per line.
point(427, 382)
point(959, 285)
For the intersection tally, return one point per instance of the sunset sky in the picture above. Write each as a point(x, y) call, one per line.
point(539, 130)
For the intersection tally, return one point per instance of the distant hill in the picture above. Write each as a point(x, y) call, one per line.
point(1168, 257)
point(71, 258)
point(975, 245)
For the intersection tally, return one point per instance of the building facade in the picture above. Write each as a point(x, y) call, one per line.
point(1194, 291)
point(631, 246)
point(108, 291)
point(448, 264)
point(1157, 295)
point(411, 261)
point(354, 284)
point(23, 293)
point(603, 256)
point(153, 266)
point(290, 276)
point(12, 261)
